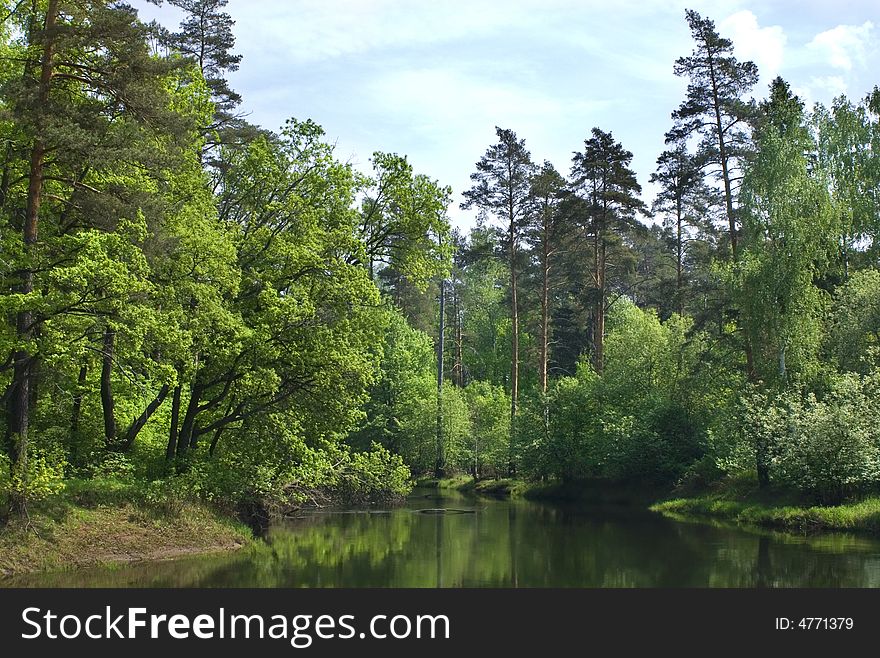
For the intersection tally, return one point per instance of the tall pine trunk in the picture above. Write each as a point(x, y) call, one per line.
point(599, 338)
point(545, 307)
point(514, 361)
point(458, 364)
point(440, 463)
point(723, 157)
point(18, 417)
point(679, 264)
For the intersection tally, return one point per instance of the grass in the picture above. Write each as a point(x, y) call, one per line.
point(738, 500)
point(97, 523)
point(742, 502)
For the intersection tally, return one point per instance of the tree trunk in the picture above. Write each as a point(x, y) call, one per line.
point(187, 435)
point(728, 199)
point(171, 450)
point(679, 265)
point(17, 414)
point(18, 417)
point(107, 403)
point(440, 463)
point(545, 308)
point(4, 179)
point(762, 464)
point(783, 372)
point(725, 167)
point(458, 366)
point(215, 440)
point(138, 423)
point(751, 372)
point(599, 338)
point(514, 361)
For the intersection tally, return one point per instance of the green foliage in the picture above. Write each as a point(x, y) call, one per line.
point(561, 444)
point(488, 444)
point(403, 221)
point(114, 465)
point(375, 477)
point(418, 427)
point(172, 494)
point(407, 372)
point(826, 447)
point(830, 448)
point(790, 231)
point(486, 323)
point(854, 335)
point(638, 421)
point(40, 478)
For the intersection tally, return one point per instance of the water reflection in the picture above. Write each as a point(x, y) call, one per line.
point(506, 544)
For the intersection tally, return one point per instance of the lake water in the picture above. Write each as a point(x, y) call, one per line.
point(505, 544)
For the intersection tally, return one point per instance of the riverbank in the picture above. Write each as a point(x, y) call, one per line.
point(859, 516)
point(589, 492)
point(736, 501)
point(67, 534)
point(503, 488)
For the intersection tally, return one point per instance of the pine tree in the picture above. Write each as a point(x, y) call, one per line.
point(206, 36)
point(89, 92)
point(602, 177)
point(714, 109)
point(546, 230)
point(683, 199)
point(502, 188)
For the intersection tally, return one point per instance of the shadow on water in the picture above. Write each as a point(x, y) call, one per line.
point(504, 544)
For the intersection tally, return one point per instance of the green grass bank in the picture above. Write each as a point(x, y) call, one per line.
point(857, 516)
point(93, 524)
point(738, 501)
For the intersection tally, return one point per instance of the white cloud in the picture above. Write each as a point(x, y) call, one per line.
point(763, 45)
point(308, 31)
point(446, 102)
point(829, 87)
point(844, 44)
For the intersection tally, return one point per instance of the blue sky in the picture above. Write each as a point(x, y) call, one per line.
point(432, 79)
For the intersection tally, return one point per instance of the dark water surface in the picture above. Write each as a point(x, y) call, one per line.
point(505, 544)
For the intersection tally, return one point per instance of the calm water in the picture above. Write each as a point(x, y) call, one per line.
point(506, 544)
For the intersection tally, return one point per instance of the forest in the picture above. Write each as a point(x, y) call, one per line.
point(198, 309)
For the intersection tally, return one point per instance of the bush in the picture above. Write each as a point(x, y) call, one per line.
point(659, 446)
point(113, 464)
point(172, 494)
point(830, 448)
point(826, 448)
point(376, 477)
point(42, 478)
point(570, 443)
point(488, 447)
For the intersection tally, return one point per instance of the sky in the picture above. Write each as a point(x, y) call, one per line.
point(432, 79)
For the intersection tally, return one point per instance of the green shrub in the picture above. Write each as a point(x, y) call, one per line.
point(172, 494)
point(372, 478)
point(487, 450)
point(42, 478)
point(113, 465)
point(830, 448)
point(826, 447)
